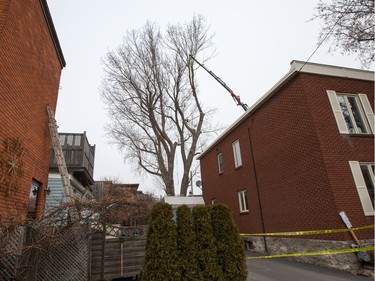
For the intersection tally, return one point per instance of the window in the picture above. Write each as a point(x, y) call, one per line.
point(33, 199)
point(353, 113)
point(242, 199)
point(213, 201)
point(237, 154)
point(363, 174)
point(368, 175)
point(220, 163)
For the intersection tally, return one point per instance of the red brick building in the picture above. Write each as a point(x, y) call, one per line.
point(299, 156)
point(31, 61)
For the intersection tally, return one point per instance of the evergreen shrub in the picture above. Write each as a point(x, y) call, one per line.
point(206, 250)
point(229, 245)
point(161, 259)
point(186, 245)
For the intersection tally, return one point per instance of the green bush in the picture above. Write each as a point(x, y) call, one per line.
point(229, 245)
point(186, 244)
point(161, 259)
point(206, 250)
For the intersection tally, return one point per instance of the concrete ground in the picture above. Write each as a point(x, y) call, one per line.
point(282, 269)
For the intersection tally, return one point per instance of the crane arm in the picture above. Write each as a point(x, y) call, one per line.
point(234, 96)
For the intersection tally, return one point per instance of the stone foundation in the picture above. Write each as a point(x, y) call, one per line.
point(276, 245)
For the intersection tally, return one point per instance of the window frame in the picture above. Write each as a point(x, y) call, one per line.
point(370, 170)
point(365, 111)
point(242, 201)
point(353, 121)
point(220, 165)
point(362, 188)
point(237, 154)
point(33, 198)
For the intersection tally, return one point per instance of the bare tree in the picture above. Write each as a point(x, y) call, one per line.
point(351, 26)
point(154, 109)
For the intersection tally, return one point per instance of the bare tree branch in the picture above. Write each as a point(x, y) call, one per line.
point(155, 111)
point(350, 25)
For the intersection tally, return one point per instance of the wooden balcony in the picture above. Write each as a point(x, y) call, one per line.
point(79, 157)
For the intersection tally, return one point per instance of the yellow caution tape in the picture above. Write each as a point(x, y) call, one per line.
point(326, 252)
point(309, 232)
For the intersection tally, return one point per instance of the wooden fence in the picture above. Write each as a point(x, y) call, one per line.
point(79, 252)
point(117, 252)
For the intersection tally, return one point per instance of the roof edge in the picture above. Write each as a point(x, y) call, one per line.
point(332, 70)
point(296, 67)
point(53, 33)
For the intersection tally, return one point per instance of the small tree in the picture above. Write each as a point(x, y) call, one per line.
point(206, 250)
point(229, 245)
point(187, 249)
point(119, 205)
point(161, 260)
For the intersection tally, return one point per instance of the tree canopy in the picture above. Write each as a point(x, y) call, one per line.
point(349, 25)
point(154, 108)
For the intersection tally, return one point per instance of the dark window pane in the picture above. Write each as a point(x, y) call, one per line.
point(245, 197)
point(345, 112)
point(357, 115)
point(369, 181)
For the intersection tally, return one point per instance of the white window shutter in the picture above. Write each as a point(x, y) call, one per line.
point(368, 110)
point(364, 196)
point(341, 124)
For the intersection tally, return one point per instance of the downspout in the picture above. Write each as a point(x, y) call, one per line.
point(257, 188)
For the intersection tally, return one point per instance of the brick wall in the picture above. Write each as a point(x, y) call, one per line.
point(29, 79)
point(301, 169)
point(338, 149)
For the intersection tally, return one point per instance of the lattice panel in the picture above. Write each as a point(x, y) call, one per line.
point(10, 251)
point(69, 259)
point(66, 259)
point(117, 230)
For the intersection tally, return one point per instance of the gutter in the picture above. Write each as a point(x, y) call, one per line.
point(52, 31)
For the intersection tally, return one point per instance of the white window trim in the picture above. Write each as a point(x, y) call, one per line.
point(337, 112)
point(237, 154)
point(367, 110)
point(242, 201)
point(360, 184)
point(220, 165)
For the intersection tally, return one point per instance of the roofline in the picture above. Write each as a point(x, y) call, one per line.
point(332, 70)
point(296, 67)
point(52, 31)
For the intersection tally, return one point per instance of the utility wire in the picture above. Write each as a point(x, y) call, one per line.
point(327, 35)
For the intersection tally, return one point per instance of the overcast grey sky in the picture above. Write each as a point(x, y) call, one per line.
point(255, 42)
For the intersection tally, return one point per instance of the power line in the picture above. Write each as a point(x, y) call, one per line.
point(327, 35)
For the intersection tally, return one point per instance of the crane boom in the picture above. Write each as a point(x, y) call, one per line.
point(233, 95)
